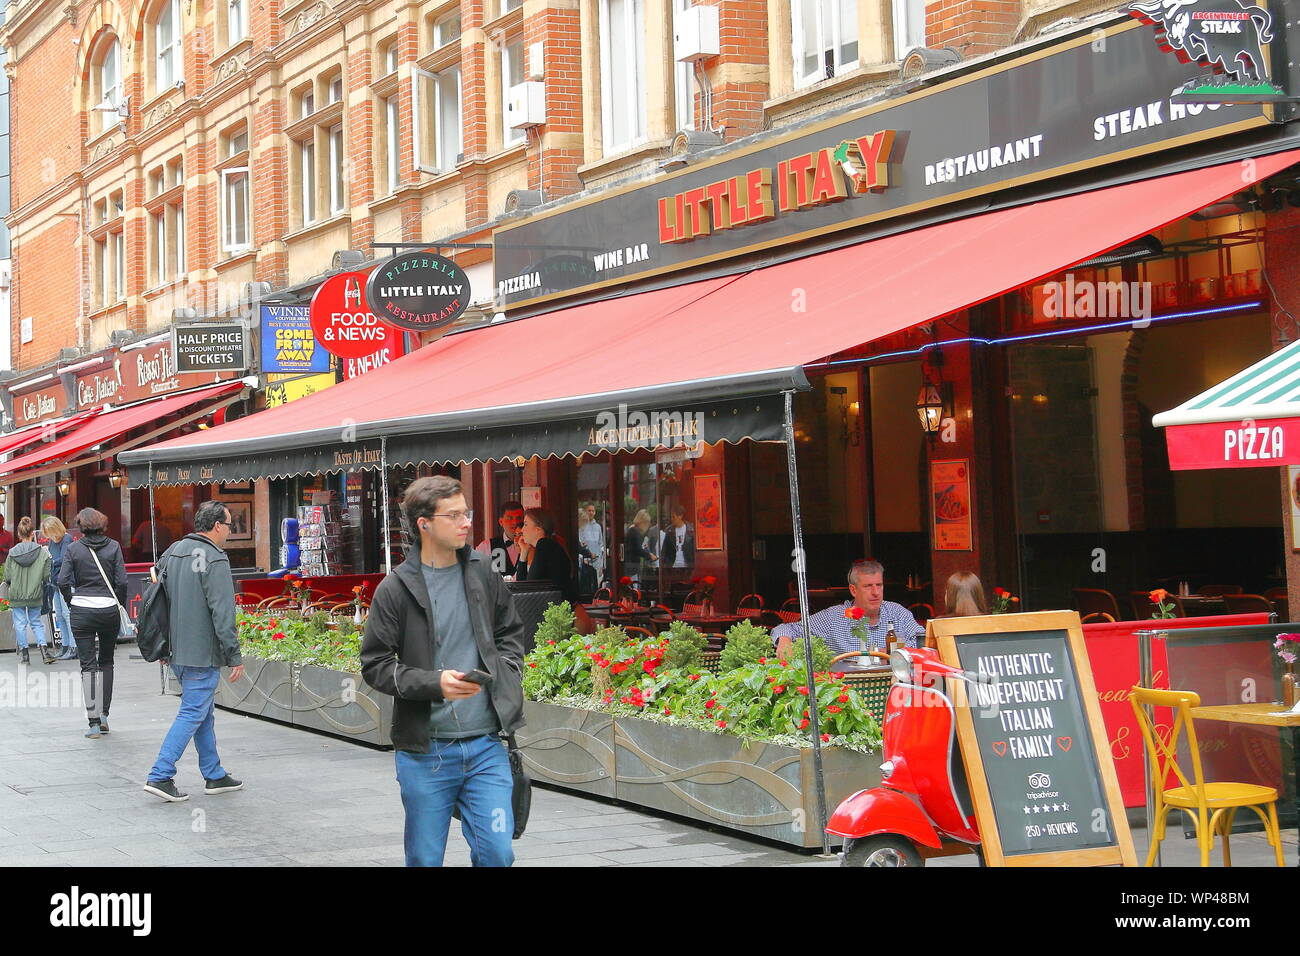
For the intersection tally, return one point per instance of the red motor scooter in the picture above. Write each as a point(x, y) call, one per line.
point(922, 807)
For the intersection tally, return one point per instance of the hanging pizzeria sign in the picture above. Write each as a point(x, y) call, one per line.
point(418, 291)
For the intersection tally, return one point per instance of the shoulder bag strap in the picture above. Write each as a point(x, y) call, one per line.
point(105, 577)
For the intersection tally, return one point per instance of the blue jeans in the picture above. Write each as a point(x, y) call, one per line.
point(61, 619)
point(473, 774)
point(25, 617)
point(193, 720)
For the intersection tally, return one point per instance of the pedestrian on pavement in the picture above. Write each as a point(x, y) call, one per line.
point(57, 540)
point(439, 616)
point(27, 569)
point(93, 582)
point(6, 540)
point(201, 596)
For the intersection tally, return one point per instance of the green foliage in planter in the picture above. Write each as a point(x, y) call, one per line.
point(763, 699)
point(558, 623)
point(318, 640)
point(821, 653)
point(746, 643)
point(685, 645)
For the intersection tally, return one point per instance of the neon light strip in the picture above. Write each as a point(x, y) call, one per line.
point(974, 340)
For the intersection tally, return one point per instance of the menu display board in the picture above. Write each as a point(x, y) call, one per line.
point(951, 505)
point(1041, 774)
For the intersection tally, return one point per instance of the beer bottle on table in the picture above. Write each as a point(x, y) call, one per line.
point(891, 639)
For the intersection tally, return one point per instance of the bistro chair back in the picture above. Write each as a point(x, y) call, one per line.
point(1211, 806)
point(634, 631)
point(1092, 600)
point(751, 606)
point(1247, 603)
point(922, 612)
point(602, 596)
point(1218, 590)
point(660, 617)
point(1096, 617)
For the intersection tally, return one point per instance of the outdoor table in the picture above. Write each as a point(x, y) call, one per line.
point(705, 620)
point(1196, 605)
point(1268, 714)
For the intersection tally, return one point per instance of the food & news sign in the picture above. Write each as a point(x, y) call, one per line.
point(1099, 98)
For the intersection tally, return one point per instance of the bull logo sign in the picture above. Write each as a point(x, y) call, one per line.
point(1227, 36)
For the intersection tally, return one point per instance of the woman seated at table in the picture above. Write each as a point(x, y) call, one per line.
point(541, 558)
point(964, 596)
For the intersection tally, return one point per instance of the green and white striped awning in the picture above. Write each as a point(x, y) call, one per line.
point(1269, 389)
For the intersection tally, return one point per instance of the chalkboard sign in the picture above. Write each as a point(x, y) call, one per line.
point(1036, 753)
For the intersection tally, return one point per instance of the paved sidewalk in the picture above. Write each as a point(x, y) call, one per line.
point(310, 800)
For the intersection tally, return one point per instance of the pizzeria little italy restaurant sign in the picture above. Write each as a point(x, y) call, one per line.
point(1099, 98)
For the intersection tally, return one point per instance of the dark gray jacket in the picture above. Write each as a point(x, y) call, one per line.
point(201, 592)
point(397, 652)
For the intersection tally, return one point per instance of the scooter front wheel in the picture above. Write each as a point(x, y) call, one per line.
point(881, 851)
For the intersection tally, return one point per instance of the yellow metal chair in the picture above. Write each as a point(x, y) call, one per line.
point(1211, 806)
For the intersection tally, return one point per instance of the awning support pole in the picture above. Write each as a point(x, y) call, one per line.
point(153, 523)
point(801, 578)
point(383, 504)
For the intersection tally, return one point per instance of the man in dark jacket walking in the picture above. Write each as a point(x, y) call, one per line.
point(438, 618)
point(201, 596)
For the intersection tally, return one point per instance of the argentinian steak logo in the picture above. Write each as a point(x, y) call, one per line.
point(1226, 36)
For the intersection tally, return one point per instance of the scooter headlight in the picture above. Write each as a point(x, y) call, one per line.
point(900, 662)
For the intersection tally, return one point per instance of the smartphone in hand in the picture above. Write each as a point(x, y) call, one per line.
point(477, 676)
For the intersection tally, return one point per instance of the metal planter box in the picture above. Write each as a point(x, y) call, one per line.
point(568, 747)
point(341, 704)
point(265, 690)
point(762, 789)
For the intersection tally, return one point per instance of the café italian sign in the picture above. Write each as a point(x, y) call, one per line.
point(418, 291)
point(1099, 98)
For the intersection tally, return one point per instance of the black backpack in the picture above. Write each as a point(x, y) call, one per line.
point(153, 627)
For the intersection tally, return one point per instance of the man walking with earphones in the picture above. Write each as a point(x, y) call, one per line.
point(444, 640)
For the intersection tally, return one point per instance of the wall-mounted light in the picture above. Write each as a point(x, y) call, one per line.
point(63, 486)
point(4, 495)
point(929, 408)
point(116, 478)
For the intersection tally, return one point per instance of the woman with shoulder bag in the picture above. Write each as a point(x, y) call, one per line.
point(93, 582)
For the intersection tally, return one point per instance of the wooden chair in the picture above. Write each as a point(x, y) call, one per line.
point(1096, 617)
point(790, 604)
point(1247, 603)
point(692, 610)
point(639, 632)
point(1274, 594)
point(1211, 806)
point(602, 596)
point(1218, 590)
point(751, 606)
point(279, 600)
point(1091, 600)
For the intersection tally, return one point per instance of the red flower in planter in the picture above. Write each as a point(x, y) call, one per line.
point(803, 725)
point(779, 689)
point(762, 660)
point(710, 704)
point(843, 698)
point(624, 581)
point(832, 709)
point(826, 738)
point(804, 691)
point(532, 663)
point(722, 723)
point(693, 677)
point(277, 636)
point(854, 613)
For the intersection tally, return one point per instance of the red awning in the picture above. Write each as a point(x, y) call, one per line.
point(109, 425)
point(47, 431)
point(735, 336)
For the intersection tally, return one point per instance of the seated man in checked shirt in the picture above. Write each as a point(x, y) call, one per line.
point(867, 587)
